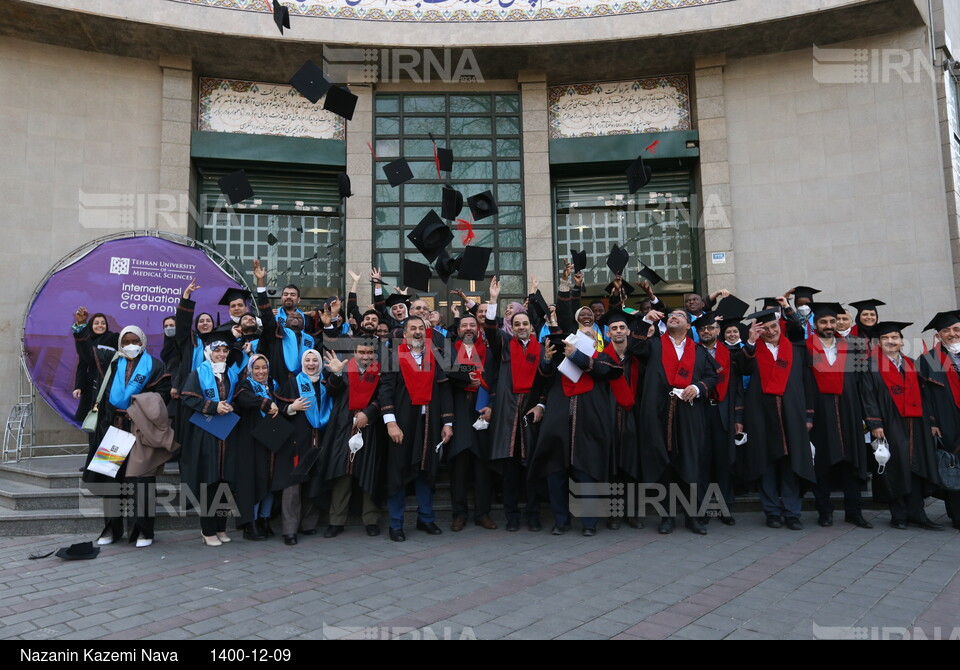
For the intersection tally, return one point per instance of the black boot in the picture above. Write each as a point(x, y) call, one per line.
point(263, 524)
point(254, 532)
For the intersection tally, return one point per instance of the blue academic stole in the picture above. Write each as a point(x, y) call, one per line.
point(319, 413)
point(122, 391)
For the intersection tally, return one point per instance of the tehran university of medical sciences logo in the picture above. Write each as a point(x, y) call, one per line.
point(119, 266)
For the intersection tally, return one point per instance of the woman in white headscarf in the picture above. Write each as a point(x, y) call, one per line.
point(133, 371)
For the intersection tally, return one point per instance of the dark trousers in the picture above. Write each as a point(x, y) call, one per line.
point(558, 487)
point(297, 511)
point(136, 494)
point(514, 474)
point(909, 507)
point(672, 481)
point(715, 463)
point(213, 517)
point(463, 467)
point(396, 503)
point(849, 483)
point(780, 490)
point(952, 502)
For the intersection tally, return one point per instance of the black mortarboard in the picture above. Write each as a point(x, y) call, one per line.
point(822, 309)
point(638, 175)
point(482, 205)
point(650, 275)
point(272, 433)
point(885, 327)
point(398, 172)
point(763, 316)
point(431, 236)
point(232, 294)
point(271, 239)
point(540, 303)
point(396, 299)
point(707, 319)
point(310, 82)
point(281, 16)
point(731, 307)
point(235, 187)
point(627, 288)
point(556, 339)
point(615, 315)
point(446, 266)
point(617, 259)
point(340, 101)
point(82, 551)
point(769, 302)
point(943, 320)
point(445, 159)
point(305, 465)
point(804, 292)
point(452, 204)
point(579, 260)
point(343, 185)
point(870, 304)
point(473, 263)
point(416, 275)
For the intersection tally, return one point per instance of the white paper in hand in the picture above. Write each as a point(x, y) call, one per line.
point(584, 343)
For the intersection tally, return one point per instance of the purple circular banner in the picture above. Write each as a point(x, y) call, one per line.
point(135, 281)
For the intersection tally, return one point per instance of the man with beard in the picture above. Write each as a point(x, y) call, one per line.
point(283, 340)
point(837, 432)
point(471, 381)
point(678, 379)
point(235, 300)
point(940, 369)
point(775, 415)
point(418, 413)
point(720, 455)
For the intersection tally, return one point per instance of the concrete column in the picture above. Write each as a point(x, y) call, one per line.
point(178, 109)
point(538, 223)
point(358, 232)
point(714, 222)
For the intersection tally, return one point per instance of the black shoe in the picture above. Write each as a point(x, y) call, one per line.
point(926, 524)
point(825, 520)
point(728, 521)
point(290, 540)
point(429, 528)
point(373, 529)
point(899, 524)
point(793, 523)
point(695, 527)
point(774, 522)
point(533, 525)
point(635, 522)
point(253, 532)
point(858, 521)
point(666, 526)
point(513, 525)
point(264, 525)
point(560, 530)
point(613, 524)
point(956, 525)
point(589, 532)
point(397, 535)
point(311, 531)
point(332, 531)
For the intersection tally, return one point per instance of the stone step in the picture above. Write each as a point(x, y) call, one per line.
point(62, 472)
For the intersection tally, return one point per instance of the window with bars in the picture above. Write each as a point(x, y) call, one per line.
point(653, 225)
point(483, 130)
point(292, 224)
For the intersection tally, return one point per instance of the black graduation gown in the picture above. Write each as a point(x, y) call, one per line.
point(108, 415)
point(253, 462)
point(674, 430)
point(942, 407)
point(626, 435)
point(271, 341)
point(837, 430)
point(909, 439)
point(730, 404)
point(92, 361)
point(367, 464)
point(204, 458)
point(417, 453)
point(305, 437)
point(465, 413)
point(577, 430)
point(775, 425)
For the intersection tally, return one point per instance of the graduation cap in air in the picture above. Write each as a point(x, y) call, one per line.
point(446, 266)
point(943, 320)
point(804, 292)
point(540, 303)
point(617, 259)
point(343, 185)
point(626, 286)
point(870, 304)
point(579, 260)
point(614, 316)
point(431, 236)
point(271, 239)
point(731, 307)
point(444, 159)
point(885, 327)
point(281, 16)
point(310, 82)
point(416, 275)
point(638, 175)
point(235, 187)
point(398, 172)
point(769, 302)
point(474, 262)
point(822, 309)
point(232, 294)
point(452, 203)
point(482, 205)
point(341, 102)
point(763, 316)
point(650, 275)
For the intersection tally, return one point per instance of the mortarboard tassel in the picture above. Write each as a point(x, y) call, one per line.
point(466, 228)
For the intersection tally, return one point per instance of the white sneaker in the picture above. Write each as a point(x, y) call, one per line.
point(144, 542)
point(104, 540)
point(223, 537)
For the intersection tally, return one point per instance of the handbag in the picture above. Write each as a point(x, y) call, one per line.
point(112, 452)
point(93, 416)
point(948, 465)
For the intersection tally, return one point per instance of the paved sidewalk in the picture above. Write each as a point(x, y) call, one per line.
point(741, 582)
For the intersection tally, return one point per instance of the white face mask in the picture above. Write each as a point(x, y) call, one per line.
point(804, 310)
point(954, 348)
point(844, 332)
point(170, 331)
point(131, 350)
point(218, 367)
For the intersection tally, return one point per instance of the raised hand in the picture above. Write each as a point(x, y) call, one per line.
point(578, 278)
point(193, 286)
point(534, 284)
point(494, 289)
point(81, 315)
point(335, 306)
point(376, 274)
point(332, 363)
point(259, 272)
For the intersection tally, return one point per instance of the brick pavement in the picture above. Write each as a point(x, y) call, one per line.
point(744, 582)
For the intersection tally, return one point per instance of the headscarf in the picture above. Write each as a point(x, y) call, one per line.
point(121, 390)
point(136, 331)
point(317, 354)
point(318, 414)
point(518, 308)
